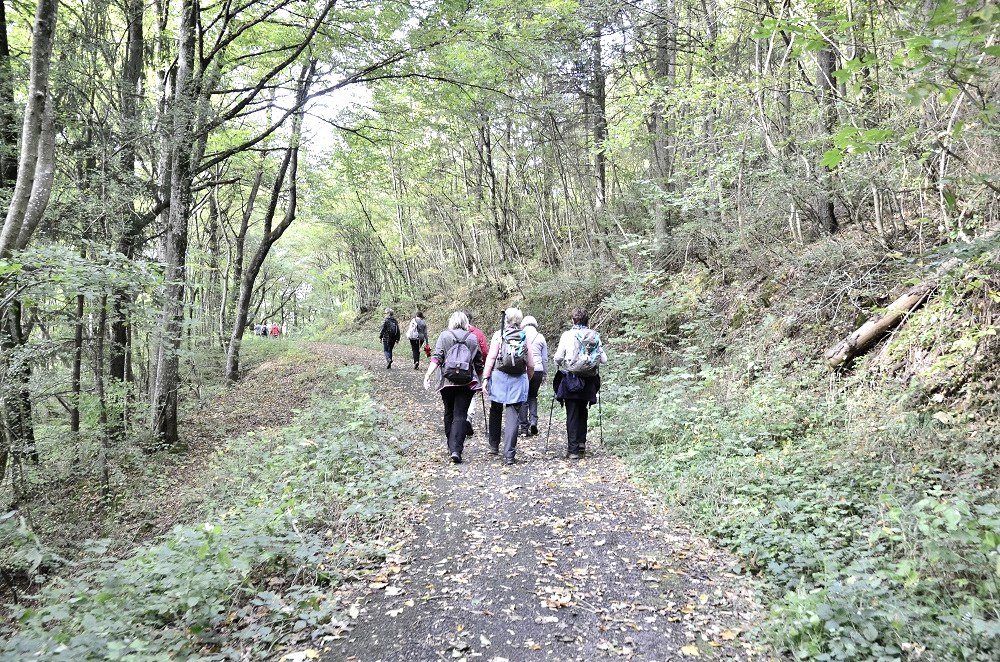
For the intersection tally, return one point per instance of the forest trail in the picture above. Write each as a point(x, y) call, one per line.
point(549, 559)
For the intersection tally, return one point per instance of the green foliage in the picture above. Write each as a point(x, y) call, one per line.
point(291, 515)
point(875, 528)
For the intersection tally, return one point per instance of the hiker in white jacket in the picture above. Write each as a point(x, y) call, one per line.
point(539, 348)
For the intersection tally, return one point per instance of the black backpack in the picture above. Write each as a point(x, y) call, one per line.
point(391, 329)
point(458, 361)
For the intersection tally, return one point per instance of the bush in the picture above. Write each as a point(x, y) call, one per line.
point(875, 529)
point(256, 575)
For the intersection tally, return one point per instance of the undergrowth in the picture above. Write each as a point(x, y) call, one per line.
point(293, 513)
point(867, 509)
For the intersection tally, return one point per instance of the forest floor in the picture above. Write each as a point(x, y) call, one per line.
point(548, 559)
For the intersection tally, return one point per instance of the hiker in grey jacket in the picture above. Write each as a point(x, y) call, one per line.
point(539, 348)
point(456, 395)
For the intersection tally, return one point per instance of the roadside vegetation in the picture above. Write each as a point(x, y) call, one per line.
point(285, 517)
point(868, 503)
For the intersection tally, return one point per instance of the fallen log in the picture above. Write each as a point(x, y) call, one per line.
point(869, 333)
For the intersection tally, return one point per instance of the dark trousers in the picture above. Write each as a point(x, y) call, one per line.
point(529, 413)
point(415, 346)
point(508, 415)
point(576, 425)
point(387, 346)
point(456, 407)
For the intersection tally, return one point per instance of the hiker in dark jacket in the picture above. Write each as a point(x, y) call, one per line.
point(576, 391)
point(416, 333)
point(456, 395)
point(389, 335)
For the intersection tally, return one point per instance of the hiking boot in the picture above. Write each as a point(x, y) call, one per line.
point(388, 365)
point(456, 458)
point(574, 456)
point(509, 461)
point(533, 429)
point(522, 432)
point(416, 365)
point(494, 450)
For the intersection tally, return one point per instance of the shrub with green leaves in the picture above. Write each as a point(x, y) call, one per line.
point(874, 528)
point(292, 514)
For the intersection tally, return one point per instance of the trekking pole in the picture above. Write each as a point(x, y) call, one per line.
point(548, 431)
point(486, 419)
point(600, 422)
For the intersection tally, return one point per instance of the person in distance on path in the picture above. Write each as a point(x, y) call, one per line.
point(389, 335)
point(456, 393)
point(506, 385)
point(577, 390)
point(417, 335)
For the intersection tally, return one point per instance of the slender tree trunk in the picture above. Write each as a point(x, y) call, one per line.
point(660, 127)
point(289, 171)
point(76, 379)
point(826, 64)
point(36, 166)
point(102, 454)
point(166, 373)
point(8, 110)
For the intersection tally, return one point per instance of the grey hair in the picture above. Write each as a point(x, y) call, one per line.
point(512, 317)
point(458, 320)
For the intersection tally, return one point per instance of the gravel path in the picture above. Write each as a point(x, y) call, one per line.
point(549, 559)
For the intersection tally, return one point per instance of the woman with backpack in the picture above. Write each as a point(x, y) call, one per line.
point(509, 368)
point(416, 333)
point(578, 357)
point(461, 363)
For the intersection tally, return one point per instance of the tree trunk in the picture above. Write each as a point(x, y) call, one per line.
point(826, 64)
point(35, 168)
point(865, 337)
point(289, 170)
point(74, 412)
point(8, 110)
point(165, 380)
point(662, 148)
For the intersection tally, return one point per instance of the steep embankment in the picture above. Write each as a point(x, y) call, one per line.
point(866, 499)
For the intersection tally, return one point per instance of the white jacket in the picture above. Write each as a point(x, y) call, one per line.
point(539, 347)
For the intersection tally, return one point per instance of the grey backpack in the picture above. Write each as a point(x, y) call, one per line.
point(458, 361)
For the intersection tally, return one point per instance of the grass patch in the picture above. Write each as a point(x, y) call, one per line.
point(293, 514)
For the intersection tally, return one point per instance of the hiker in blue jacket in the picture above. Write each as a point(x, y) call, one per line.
point(509, 368)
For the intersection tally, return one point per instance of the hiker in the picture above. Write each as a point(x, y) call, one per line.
point(275, 330)
point(389, 335)
point(478, 333)
point(460, 361)
point(509, 368)
point(256, 329)
point(470, 429)
point(416, 333)
point(577, 381)
point(539, 348)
